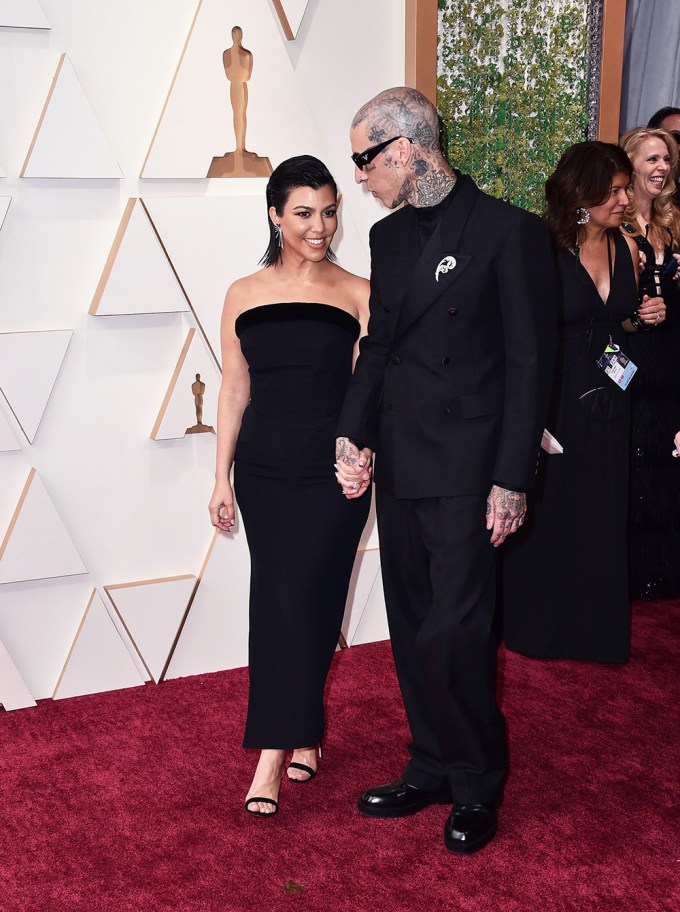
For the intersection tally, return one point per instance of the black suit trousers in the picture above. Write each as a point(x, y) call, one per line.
point(438, 573)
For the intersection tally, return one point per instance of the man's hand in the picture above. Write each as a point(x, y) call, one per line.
point(352, 468)
point(505, 512)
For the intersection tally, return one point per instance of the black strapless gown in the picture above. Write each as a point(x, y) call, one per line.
point(302, 533)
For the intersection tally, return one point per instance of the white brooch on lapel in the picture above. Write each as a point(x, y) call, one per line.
point(445, 265)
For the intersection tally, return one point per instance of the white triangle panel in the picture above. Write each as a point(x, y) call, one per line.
point(14, 694)
point(37, 544)
point(8, 441)
point(290, 13)
point(68, 141)
point(99, 660)
point(373, 622)
point(29, 365)
point(152, 612)
point(4, 205)
point(22, 14)
point(365, 572)
point(38, 623)
point(179, 412)
point(215, 635)
point(138, 277)
point(2, 172)
point(196, 123)
point(206, 249)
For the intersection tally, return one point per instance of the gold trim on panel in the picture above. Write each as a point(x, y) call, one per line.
point(73, 644)
point(285, 24)
point(113, 253)
point(611, 70)
point(151, 582)
point(421, 47)
point(17, 511)
point(42, 114)
point(173, 382)
point(192, 597)
point(179, 282)
point(172, 85)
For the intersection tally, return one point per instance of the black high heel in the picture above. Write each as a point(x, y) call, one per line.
point(311, 773)
point(262, 801)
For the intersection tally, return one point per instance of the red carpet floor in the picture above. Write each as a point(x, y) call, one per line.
point(132, 801)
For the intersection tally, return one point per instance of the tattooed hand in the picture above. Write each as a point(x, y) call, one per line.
point(352, 468)
point(505, 512)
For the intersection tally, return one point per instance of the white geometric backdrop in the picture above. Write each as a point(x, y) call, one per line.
point(111, 287)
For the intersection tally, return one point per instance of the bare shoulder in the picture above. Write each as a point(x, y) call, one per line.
point(356, 286)
point(243, 291)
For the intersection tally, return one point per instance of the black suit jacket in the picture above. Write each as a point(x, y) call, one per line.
point(452, 381)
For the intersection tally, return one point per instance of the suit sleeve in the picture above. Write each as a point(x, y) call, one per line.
point(358, 418)
point(528, 296)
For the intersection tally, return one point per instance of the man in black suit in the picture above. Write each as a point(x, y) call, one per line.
point(450, 390)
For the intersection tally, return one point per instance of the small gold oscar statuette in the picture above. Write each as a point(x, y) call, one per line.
point(198, 389)
point(238, 66)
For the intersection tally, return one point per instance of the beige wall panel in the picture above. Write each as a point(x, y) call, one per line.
point(179, 414)
point(37, 544)
point(373, 623)
point(68, 140)
point(290, 12)
point(197, 121)
point(4, 206)
point(8, 441)
point(215, 635)
point(14, 694)
point(364, 574)
point(138, 277)
point(29, 365)
point(38, 623)
point(22, 14)
point(152, 611)
point(99, 660)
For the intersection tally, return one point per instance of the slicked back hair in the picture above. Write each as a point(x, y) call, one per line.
point(299, 171)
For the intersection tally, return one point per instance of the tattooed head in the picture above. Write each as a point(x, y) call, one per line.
point(395, 147)
point(401, 111)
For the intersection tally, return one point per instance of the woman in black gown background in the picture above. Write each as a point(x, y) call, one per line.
point(289, 334)
point(653, 222)
point(565, 578)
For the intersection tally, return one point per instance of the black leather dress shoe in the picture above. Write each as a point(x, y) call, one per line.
point(470, 827)
point(399, 799)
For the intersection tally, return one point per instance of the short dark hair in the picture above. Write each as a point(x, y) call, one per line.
point(299, 171)
point(583, 177)
point(661, 114)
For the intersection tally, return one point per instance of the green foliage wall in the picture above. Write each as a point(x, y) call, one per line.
point(512, 90)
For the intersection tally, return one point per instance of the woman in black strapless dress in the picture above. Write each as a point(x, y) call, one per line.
point(289, 334)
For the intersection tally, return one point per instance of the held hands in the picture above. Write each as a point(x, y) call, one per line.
point(221, 507)
point(505, 512)
point(352, 468)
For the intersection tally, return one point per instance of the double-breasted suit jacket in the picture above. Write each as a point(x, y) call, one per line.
point(453, 378)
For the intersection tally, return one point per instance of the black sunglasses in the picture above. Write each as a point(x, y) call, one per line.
point(361, 159)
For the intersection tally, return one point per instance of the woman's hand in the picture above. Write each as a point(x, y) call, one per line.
point(676, 441)
point(221, 507)
point(652, 311)
point(676, 277)
point(353, 468)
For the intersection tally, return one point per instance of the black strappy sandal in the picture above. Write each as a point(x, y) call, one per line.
point(262, 801)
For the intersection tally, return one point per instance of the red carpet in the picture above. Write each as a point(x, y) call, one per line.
point(132, 801)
